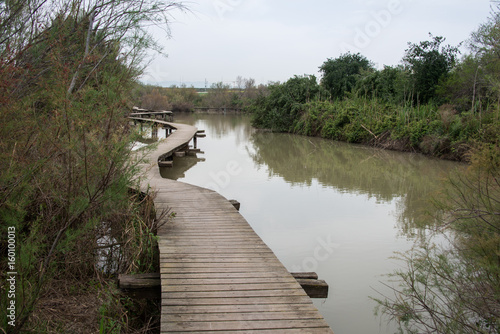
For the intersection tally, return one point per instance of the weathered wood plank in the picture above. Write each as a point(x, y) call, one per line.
point(226, 287)
point(221, 259)
point(262, 331)
point(205, 257)
point(214, 250)
point(240, 325)
point(246, 316)
point(249, 308)
point(252, 274)
point(172, 282)
point(139, 281)
point(237, 301)
point(314, 288)
point(240, 270)
point(166, 264)
point(295, 291)
point(305, 275)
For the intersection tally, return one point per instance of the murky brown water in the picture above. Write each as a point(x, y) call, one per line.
point(337, 209)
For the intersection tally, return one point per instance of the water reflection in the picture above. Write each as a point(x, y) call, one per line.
point(182, 165)
point(383, 175)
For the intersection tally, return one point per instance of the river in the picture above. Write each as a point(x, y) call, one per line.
point(338, 209)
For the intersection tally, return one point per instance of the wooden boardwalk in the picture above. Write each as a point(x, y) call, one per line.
point(217, 275)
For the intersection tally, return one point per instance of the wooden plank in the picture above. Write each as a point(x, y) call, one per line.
point(262, 331)
point(172, 266)
point(237, 301)
point(205, 256)
point(226, 287)
point(239, 325)
point(240, 270)
point(222, 259)
point(305, 275)
point(138, 282)
point(249, 308)
point(314, 288)
point(251, 274)
point(172, 282)
point(247, 316)
point(296, 291)
point(209, 242)
point(213, 250)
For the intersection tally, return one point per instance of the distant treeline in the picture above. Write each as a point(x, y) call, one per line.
point(183, 98)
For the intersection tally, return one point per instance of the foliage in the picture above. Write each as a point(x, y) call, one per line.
point(429, 63)
point(455, 287)
point(341, 74)
point(66, 72)
point(174, 98)
point(442, 132)
point(118, 313)
point(284, 103)
point(219, 96)
point(464, 84)
point(182, 98)
point(391, 85)
point(155, 101)
point(475, 85)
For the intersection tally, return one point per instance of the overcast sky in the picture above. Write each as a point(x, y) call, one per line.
point(273, 40)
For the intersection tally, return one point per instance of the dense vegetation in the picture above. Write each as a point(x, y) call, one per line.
point(66, 72)
point(432, 103)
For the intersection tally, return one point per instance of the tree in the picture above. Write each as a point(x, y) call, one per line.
point(155, 101)
point(389, 84)
point(66, 71)
point(474, 84)
point(219, 96)
point(341, 74)
point(429, 63)
point(485, 42)
point(281, 107)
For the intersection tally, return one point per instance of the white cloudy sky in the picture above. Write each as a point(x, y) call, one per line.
point(273, 40)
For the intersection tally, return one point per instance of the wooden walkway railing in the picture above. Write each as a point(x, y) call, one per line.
point(217, 275)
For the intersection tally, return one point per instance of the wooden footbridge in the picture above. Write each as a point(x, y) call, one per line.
point(217, 275)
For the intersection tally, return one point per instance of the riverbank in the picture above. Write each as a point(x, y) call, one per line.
point(441, 132)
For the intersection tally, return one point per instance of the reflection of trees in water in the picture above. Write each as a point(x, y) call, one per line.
point(219, 125)
point(387, 176)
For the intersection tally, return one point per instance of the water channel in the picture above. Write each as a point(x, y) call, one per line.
point(337, 209)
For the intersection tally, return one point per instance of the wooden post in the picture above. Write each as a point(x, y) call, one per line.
point(154, 131)
point(145, 283)
point(146, 286)
point(305, 275)
point(235, 203)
